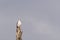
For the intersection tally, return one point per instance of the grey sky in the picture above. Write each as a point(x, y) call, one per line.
point(40, 19)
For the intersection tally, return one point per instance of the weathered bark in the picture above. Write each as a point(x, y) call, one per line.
point(18, 33)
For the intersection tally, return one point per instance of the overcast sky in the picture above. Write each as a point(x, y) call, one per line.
point(40, 19)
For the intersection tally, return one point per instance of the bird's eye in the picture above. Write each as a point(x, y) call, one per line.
point(17, 26)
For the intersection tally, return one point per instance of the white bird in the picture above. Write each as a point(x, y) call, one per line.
point(19, 23)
